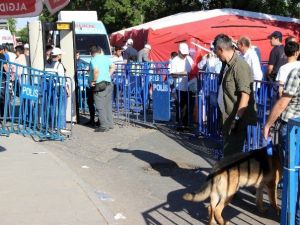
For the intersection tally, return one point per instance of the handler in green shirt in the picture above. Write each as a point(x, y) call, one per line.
point(236, 97)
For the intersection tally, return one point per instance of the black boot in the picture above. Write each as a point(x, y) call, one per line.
point(90, 123)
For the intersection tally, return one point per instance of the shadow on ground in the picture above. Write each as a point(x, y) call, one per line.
point(2, 149)
point(204, 147)
point(178, 211)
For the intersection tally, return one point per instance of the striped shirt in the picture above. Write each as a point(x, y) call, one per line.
point(292, 88)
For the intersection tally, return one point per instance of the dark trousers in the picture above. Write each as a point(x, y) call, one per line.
point(90, 102)
point(184, 107)
point(1, 107)
point(234, 142)
point(103, 102)
point(2, 99)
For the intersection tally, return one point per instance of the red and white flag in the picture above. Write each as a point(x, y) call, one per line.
point(56, 5)
point(20, 8)
point(29, 8)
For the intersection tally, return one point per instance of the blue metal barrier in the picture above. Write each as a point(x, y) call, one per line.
point(119, 96)
point(266, 94)
point(133, 83)
point(264, 67)
point(290, 194)
point(83, 84)
point(208, 114)
point(133, 99)
point(33, 102)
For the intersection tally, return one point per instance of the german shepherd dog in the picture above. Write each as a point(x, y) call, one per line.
point(255, 168)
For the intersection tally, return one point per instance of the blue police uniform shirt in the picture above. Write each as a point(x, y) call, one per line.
point(102, 63)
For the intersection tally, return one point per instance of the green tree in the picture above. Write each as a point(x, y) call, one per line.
point(294, 8)
point(290, 8)
point(12, 25)
point(46, 16)
point(119, 14)
point(23, 35)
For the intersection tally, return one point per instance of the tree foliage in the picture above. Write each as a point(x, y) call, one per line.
point(289, 8)
point(46, 16)
point(23, 35)
point(12, 25)
point(119, 14)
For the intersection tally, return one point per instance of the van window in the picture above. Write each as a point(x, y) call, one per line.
point(85, 41)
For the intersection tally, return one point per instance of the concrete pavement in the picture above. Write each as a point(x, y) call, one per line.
point(36, 188)
point(128, 176)
point(145, 172)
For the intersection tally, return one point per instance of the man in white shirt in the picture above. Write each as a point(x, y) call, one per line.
point(251, 57)
point(20, 71)
point(143, 54)
point(181, 65)
point(117, 57)
point(55, 67)
point(210, 62)
point(118, 60)
point(291, 49)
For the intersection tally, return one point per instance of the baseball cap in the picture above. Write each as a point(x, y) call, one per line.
point(148, 46)
point(26, 45)
point(1, 47)
point(129, 41)
point(184, 48)
point(57, 51)
point(275, 34)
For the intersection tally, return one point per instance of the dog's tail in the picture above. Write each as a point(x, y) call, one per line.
point(201, 194)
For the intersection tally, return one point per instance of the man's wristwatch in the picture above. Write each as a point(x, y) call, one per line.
point(236, 117)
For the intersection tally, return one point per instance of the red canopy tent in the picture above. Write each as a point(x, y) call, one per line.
point(28, 8)
point(202, 26)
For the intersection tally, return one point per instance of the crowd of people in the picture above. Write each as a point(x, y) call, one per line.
point(15, 64)
point(238, 65)
point(18, 55)
point(237, 62)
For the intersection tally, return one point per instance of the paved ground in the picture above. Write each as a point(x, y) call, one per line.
point(144, 172)
point(36, 188)
point(128, 176)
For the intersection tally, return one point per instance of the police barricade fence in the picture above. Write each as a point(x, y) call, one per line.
point(209, 117)
point(34, 102)
point(208, 113)
point(138, 91)
point(291, 180)
point(266, 95)
point(82, 76)
point(143, 92)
